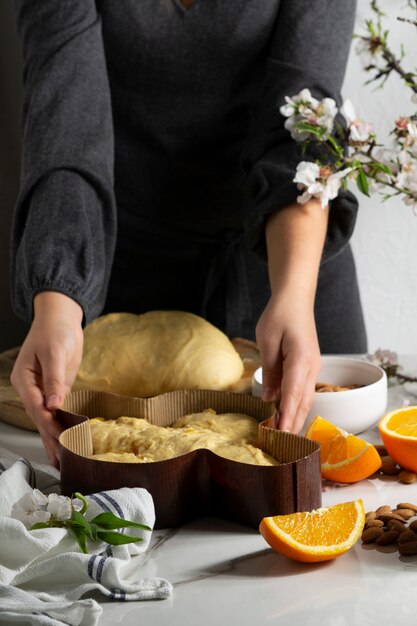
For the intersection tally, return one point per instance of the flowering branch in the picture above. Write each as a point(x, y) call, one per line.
point(352, 151)
point(388, 361)
point(376, 53)
point(37, 511)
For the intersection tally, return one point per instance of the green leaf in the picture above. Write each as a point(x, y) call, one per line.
point(93, 529)
point(381, 167)
point(79, 495)
point(310, 128)
point(78, 521)
point(116, 539)
point(338, 149)
point(81, 537)
point(110, 521)
point(362, 182)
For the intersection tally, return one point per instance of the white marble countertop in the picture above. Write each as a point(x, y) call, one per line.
point(225, 574)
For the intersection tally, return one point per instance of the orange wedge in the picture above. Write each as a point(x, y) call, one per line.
point(320, 535)
point(344, 458)
point(398, 430)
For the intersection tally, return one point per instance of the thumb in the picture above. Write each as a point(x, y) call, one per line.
point(53, 380)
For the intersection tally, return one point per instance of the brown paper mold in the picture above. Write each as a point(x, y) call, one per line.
point(199, 482)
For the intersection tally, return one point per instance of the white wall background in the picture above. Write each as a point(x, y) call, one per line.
point(385, 239)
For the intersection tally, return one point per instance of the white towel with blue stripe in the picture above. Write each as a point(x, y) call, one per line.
point(45, 578)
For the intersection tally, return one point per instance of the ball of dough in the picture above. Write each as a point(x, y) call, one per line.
point(145, 355)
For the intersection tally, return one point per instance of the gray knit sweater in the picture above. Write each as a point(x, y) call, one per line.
point(152, 140)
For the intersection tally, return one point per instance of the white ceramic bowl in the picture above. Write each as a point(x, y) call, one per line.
point(354, 410)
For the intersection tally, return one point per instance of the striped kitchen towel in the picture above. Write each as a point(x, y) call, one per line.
point(45, 579)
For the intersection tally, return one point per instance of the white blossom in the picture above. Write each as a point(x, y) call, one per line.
point(301, 102)
point(407, 180)
point(383, 358)
point(318, 182)
point(36, 507)
point(303, 107)
point(369, 51)
point(28, 509)
point(59, 506)
point(360, 132)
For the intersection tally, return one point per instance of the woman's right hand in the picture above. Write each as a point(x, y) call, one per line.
point(48, 363)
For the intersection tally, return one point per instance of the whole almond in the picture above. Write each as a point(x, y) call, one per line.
point(389, 466)
point(369, 516)
point(413, 525)
point(382, 451)
point(389, 516)
point(383, 510)
point(389, 537)
point(370, 534)
point(404, 513)
point(407, 505)
point(377, 523)
point(408, 549)
point(394, 524)
point(406, 536)
point(407, 477)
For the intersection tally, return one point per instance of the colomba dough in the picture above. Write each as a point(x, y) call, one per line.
point(145, 355)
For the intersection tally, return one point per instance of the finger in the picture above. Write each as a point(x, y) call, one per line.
point(271, 372)
point(53, 379)
point(305, 403)
point(33, 400)
point(292, 390)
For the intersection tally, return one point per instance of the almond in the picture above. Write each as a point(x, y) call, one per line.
point(394, 524)
point(389, 516)
point(389, 537)
point(407, 505)
point(383, 510)
point(406, 536)
point(389, 466)
point(408, 549)
point(369, 516)
point(404, 513)
point(413, 525)
point(407, 477)
point(370, 534)
point(377, 523)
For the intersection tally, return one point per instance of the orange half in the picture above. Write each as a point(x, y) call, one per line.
point(344, 458)
point(318, 535)
point(398, 431)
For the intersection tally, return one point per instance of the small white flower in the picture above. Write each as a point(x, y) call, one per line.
point(383, 358)
point(407, 180)
point(303, 107)
point(303, 100)
point(306, 174)
point(359, 130)
point(318, 182)
point(59, 506)
point(369, 51)
point(27, 510)
point(326, 112)
point(39, 498)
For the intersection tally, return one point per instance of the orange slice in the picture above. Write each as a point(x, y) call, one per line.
point(320, 535)
point(398, 430)
point(344, 458)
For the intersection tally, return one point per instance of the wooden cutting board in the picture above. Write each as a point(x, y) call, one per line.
point(11, 407)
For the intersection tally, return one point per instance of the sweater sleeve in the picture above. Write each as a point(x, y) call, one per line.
point(64, 225)
point(309, 49)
